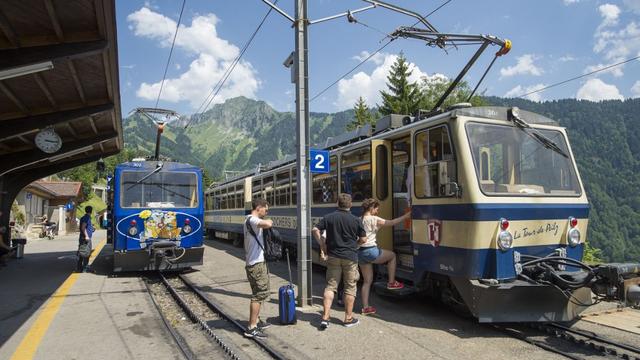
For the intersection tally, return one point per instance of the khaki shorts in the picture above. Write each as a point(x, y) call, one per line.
point(258, 277)
point(347, 269)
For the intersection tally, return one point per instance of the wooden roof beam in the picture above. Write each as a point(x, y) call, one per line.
point(76, 81)
point(8, 31)
point(93, 125)
point(54, 20)
point(20, 160)
point(13, 98)
point(11, 58)
point(45, 90)
point(24, 125)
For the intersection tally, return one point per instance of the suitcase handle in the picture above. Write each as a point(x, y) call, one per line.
point(289, 267)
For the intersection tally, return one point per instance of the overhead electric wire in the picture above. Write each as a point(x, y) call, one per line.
point(228, 71)
point(170, 52)
point(374, 53)
point(578, 77)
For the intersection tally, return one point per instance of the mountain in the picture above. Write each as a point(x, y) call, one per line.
point(604, 136)
point(236, 135)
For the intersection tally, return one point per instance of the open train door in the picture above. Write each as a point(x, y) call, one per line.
point(381, 188)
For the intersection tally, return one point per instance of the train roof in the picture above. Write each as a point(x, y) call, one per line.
point(150, 165)
point(393, 123)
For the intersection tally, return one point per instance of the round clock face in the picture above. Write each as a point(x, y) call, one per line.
point(48, 141)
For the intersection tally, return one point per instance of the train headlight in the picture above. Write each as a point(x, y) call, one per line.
point(133, 231)
point(573, 237)
point(505, 240)
point(187, 229)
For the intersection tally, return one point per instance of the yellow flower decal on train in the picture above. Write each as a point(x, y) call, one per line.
point(145, 214)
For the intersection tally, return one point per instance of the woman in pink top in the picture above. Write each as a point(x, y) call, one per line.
point(369, 253)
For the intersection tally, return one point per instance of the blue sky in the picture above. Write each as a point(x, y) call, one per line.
point(553, 40)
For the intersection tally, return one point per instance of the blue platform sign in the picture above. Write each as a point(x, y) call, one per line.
point(319, 161)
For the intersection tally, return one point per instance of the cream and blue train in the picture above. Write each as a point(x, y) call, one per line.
point(499, 213)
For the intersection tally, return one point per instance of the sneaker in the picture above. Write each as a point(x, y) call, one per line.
point(351, 322)
point(256, 332)
point(324, 324)
point(369, 310)
point(263, 325)
point(396, 285)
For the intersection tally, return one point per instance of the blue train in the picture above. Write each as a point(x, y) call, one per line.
point(499, 212)
point(156, 216)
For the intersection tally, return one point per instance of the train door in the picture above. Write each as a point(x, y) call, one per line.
point(401, 195)
point(381, 188)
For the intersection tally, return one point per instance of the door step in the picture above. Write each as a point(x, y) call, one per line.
point(380, 288)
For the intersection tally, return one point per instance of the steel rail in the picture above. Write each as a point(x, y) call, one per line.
point(217, 309)
point(515, 334)
point(596, 337)
point(194, 317)
point(184, 348)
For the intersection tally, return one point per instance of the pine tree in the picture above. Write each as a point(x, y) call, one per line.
point(403, 97)
point(362, 114)
point(433, 88)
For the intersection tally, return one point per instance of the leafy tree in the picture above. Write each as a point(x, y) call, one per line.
point(403, 97)
point(362, 115)
point(433, 88)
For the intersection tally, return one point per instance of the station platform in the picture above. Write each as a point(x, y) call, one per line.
point(49, 312)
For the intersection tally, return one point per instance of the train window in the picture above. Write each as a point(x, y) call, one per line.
point(294, 186)
point(355, 172)
point(435, 167)
point(325, 186)
point(282, 189)
point(223, 199)
point(256, 189)
point(239, 196)
point(267, 185)
point(382, 172)
point(161, 190)
point(509, 161)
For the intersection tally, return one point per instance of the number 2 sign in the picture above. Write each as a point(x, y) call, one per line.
point(319, 161)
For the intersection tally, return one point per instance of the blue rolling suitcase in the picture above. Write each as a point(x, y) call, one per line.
point(287, 301)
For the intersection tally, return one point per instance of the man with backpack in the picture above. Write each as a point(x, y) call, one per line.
point(256, 266)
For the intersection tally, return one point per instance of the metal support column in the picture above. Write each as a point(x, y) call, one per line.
point(302, 156)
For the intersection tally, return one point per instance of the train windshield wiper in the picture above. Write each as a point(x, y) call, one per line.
point(545, 141)
point(158, 168)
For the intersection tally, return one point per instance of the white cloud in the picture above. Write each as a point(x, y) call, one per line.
point(377, 59)
point(633, 5)
point(613, 41)
point(519, 90)
point(569, 2)
point(178, 66)
point(635, 90)
point(212, 57)
point(615, 71)
point(609, 13)
point(566, 58)
point(369, 85)
point(597, 90)
point(524, 66)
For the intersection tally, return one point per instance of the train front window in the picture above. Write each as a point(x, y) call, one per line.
point(508, 161)
point(160, 190)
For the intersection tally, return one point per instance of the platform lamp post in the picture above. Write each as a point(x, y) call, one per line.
point(300, 76)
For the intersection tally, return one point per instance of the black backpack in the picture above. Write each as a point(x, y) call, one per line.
point(272, 242)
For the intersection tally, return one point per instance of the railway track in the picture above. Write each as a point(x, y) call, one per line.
point(225, 332)
point(570, 342)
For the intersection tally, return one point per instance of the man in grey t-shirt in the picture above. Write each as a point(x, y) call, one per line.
point(256, 268)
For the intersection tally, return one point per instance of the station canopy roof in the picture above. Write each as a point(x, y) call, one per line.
point(58, 71)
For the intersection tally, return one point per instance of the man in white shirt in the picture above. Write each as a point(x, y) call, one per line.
point(256, 267)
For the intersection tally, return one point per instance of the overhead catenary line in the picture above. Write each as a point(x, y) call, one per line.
point(216, 89)
point(170, 52)
point(578, 77)
point(374, 53)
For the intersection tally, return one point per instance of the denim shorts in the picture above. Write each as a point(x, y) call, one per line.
point(368, 254)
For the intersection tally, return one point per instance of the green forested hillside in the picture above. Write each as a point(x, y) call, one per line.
point(605, 139)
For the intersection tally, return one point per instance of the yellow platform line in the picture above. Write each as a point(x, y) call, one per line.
point(29, 344)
